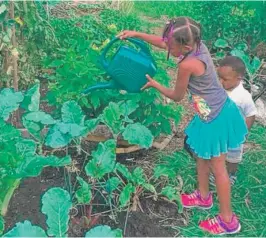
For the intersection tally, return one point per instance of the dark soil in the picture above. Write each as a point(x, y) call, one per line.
point(26, 201)
point(157, 219)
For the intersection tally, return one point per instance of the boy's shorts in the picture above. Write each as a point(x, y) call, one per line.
point(233, 155)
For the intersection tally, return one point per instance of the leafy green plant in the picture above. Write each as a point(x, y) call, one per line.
point(20, 157)
point(56, 204)
point(240, 50)
point(104, 231)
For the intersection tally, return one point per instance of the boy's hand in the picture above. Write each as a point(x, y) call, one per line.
point(127, 34)
point(151, 83)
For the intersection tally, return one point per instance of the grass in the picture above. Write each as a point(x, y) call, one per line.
point(248, 193)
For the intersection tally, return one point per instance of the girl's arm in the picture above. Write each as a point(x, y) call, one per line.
point(178, 93)
point(152, 39)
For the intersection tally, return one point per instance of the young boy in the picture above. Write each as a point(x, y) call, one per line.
point(231, 71)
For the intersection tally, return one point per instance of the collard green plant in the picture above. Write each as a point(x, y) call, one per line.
point(56, 204)
point(103, 160)
point(9, 102)
point(25, 229)
point(104, 231)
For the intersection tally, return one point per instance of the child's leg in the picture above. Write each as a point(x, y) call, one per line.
point(223, 186)
point(234, 157)
point(231, 167)
point(203, 171)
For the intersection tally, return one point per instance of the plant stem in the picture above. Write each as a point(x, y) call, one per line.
point(10, 190)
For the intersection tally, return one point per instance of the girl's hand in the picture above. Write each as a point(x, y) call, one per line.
point(151, 83)
point(127, 34)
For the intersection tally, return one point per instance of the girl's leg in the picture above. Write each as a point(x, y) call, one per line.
point(223, 186)
point(203, 171)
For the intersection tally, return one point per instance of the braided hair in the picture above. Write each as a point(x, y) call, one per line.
point(184, 30)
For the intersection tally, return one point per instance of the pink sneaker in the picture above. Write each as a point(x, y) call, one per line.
point(216, 226)
point(195, 200)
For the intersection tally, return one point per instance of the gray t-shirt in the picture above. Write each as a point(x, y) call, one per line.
point(205, 92)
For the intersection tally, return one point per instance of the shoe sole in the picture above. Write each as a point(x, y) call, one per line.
point(232, 232)
point(201, 207)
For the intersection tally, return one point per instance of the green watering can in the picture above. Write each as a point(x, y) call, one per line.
point(128, 67)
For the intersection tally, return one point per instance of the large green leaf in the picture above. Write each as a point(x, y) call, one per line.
point(104, 231)
point(103, 160)
point(32, 166)
point(126, 194)
point(172, 194)
point(56, 139)
point(9, 102)
point(31, 100)
point(91, 125)
point(74, 130)
point(112, 184)
point(33, 128)
point(72, 113)
point(221, 43)
point(83, 194)
point(56, 204)
point(128, 107)
point(123, 170)
point(8, 132)
point(40, 117)
point(25, 229)
point(26, 147)
point(111, 117)
point(2, 225)
point(138, 176)
point(139, 135)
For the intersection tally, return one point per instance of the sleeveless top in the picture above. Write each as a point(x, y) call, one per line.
point(205, 92)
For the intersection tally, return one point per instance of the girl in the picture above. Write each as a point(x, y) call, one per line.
point(218, 124)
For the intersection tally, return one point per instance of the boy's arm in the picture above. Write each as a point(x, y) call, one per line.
point(250, 121)
point(249, 110)
point(152, 39)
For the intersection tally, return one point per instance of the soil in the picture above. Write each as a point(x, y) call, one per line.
point(156, 220)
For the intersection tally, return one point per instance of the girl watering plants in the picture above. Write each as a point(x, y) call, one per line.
point(218, 124)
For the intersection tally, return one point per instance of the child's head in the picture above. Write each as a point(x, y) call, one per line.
point(231, 71)
point(181, 35)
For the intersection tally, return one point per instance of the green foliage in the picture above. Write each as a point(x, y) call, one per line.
point(71, 126)
point(112, 184)
point(138, 134)
point(25, 229)
point(111, 117)
point(172, 194)
point(233, 21)
point(31, 100)
point(9, 102)
point(240, 50)
point(126, 194)
point(104, 231)
point(83, 194)
point(2, 225)
point(56, 204)
point(103, 160)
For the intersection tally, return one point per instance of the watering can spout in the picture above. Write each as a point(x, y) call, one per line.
point(109, 85)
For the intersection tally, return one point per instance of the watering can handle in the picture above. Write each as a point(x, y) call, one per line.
point(135, 41)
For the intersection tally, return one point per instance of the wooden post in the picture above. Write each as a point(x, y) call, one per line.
point(14, 44)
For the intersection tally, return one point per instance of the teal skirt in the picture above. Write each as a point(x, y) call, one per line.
point(211, 139)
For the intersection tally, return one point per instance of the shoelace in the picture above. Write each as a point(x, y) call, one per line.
point(192, 195)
